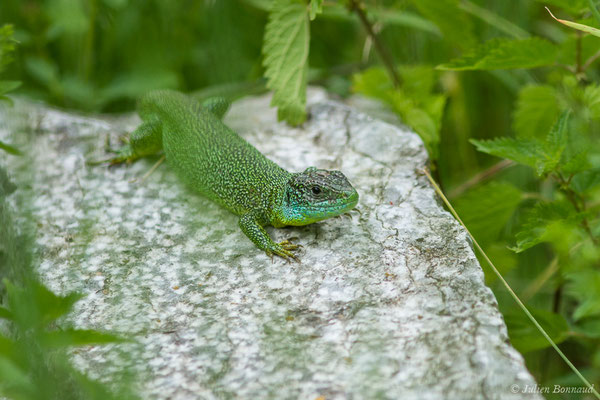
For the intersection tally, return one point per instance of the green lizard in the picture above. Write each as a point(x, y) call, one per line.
point(216, 162)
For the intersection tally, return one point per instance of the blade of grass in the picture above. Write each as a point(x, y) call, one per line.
point(580, 27)
point(509, 289)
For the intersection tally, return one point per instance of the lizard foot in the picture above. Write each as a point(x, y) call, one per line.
point(122, 155)
point(284, 250)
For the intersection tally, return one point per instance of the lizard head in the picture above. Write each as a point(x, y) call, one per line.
point(315, 195)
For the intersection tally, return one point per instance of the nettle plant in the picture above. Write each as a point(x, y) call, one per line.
point(556, 135)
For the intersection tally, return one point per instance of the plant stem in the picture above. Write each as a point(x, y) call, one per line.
point(591, 60)
point(557, 298)
point(579, 66)
point(572, 197)
point(358, 8)
point(88, 53)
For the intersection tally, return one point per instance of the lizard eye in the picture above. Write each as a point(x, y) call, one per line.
point(316, 190)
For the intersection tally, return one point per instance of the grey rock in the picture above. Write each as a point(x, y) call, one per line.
point(388, 303)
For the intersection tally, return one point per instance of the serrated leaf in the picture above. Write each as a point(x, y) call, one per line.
point(316, 7)
point(37, 306)
point(586, 180)
point(554, 146)
point(523, 151)
point(526, 337)
point(544, 157)
point(579, 162)
point(503, 53)
point(487, 208)
point(536, 111)
point(580, 27)
point(591, 100)
point(455, 24)
point(539, 221)
point(7, 45)
point(286, 47)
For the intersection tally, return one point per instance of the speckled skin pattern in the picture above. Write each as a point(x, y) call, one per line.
point(216, 162)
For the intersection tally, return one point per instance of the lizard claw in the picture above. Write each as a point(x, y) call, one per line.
point(284, 250)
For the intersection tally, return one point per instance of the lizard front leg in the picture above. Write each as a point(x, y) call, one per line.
point(146, 140)
point(250, 225)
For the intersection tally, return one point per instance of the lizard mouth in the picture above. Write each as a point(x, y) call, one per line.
point(331, 208)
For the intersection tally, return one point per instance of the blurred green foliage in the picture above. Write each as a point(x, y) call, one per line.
point(480, 81)
point(34, 335)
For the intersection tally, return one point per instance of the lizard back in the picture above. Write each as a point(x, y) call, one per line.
point(210, 157)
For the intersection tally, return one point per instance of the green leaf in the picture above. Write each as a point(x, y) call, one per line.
point(44, 71)
point(544, 157)
point(316, 7)
point(536, 111)
point(579, 162)
point(286, 47)
point(523, 151)
point(52, 306)
point(10, 149)
point(591, 100)
point(554, 146)
point(586, 180)
point(503, 53)
point(540, 221)
point(79, 337)
point(15, 382)
point(37, 306)
point(589, 327)
point(580, 27)
point(526, 337)
point(487, 208)
point(373, 82)
point(7, 45)
point(456, 26)
point(413, 102)
point(7, 86)
point(392, 17)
